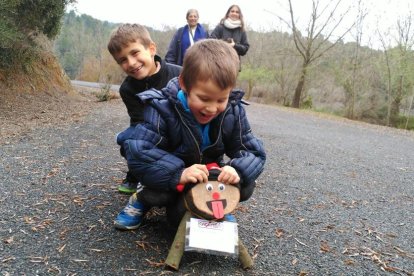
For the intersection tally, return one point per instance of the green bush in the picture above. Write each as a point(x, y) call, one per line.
point(7, 14)
point(307, 103)
point(404, 124)
point(104, 93)
point(21, 22)
point(8, 32)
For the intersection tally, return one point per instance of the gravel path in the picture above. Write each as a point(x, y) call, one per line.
point(336, 198)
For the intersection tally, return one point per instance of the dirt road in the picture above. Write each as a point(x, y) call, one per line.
point(336, 198)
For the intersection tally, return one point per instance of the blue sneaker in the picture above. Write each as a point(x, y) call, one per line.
point(131, 216)
point(230, 218)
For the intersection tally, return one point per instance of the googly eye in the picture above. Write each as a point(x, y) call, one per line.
point(209, 187)
point(221, 187)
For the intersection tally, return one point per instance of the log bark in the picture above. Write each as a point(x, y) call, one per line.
point(177, 248)
point(244, 257)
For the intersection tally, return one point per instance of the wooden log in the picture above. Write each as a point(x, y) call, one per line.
point(244, 257)
point(177, 248)
point(212, 200)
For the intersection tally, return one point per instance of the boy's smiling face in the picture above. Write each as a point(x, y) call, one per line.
point(206, 100)
point(136, 61)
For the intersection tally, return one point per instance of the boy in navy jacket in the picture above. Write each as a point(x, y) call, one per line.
point(193, 121)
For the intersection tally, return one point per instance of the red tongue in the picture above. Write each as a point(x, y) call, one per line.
point(218, 210)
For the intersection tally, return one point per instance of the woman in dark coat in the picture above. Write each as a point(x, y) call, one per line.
point(231, 29)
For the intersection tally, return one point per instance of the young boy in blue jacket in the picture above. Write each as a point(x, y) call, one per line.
point(133, 49)
point(193, 121)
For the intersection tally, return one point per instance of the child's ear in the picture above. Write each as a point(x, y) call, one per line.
point(181, 82)
point(153, 48)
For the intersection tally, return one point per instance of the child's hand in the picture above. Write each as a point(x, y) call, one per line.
point(228, 175)
point(194, 174)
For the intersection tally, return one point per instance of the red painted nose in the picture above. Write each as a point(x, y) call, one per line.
point(216, 196)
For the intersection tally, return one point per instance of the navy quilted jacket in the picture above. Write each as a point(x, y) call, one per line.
point(169, 140)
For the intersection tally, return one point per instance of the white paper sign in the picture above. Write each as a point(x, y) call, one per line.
point(212, 236)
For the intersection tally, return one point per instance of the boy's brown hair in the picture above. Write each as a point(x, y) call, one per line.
point(210, 59)
point(126, 34)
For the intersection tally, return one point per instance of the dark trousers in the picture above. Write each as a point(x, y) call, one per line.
point(120, 139)
point(129, 177)
point(172, 201)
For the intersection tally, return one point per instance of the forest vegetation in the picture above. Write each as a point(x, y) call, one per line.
point(27, 60)
point(299, 68)
point(349, 80)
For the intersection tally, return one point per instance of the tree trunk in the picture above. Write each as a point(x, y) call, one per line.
point(409, 113)
point(409, 110)
point(396, 103)
point(389, 91)
point(395, 112)
point(299, 88)
point(249, 89)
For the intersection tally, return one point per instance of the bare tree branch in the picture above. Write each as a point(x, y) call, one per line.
point(317, 41)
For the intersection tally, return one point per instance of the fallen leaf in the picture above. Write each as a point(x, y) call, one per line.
point(54, 269)
point(155, 264)
point(5, 260)
point(349, 262)
point(61, 203)
point(38, 259)
point(9, 240)
point(279, 232)
point(325, 247)
point(90, 227)
point(92, 185)
point(61, 248)
point(28, 220)
point(300, 242)
point(143, 244)
point(194, 263)
point(389, 268)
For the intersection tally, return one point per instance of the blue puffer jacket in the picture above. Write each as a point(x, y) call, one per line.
point(169, 140)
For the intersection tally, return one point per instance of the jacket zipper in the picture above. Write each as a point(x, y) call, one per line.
point(192, 135)
point(220, 125)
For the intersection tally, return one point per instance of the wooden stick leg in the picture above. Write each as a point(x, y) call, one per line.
point(244, 257)
point(177, 248)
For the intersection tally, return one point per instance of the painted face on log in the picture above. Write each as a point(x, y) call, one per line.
point(212, 200)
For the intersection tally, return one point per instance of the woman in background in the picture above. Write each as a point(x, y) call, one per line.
point(231, 29)
point(184, 37)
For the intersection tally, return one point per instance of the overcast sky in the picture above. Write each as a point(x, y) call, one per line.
point(158, 13)
point(259, 15)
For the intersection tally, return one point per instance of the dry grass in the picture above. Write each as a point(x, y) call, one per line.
point(28, 102)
